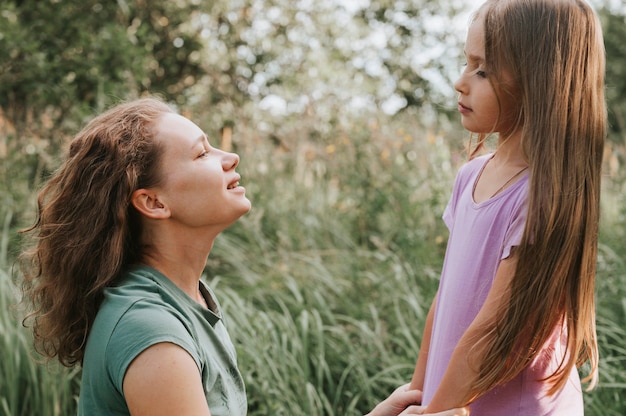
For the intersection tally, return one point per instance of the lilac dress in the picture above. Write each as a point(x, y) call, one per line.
point(482, 234)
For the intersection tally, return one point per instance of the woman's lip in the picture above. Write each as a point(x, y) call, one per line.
point(234, 183)
point(239, 189)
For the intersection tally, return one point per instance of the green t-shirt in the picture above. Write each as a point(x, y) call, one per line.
point(147, 308)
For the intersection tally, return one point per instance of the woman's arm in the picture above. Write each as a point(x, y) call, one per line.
point(462, 367)
point(417, 382)
point(164, 380)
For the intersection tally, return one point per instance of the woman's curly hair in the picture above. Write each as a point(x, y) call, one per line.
point(86, 230)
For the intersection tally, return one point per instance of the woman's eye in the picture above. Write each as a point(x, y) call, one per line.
point(481, 74)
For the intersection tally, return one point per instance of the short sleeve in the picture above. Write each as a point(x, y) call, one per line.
point(141, 327)
point(462, 182)
point(449, 211)
point(513, 236)
point(448, 215)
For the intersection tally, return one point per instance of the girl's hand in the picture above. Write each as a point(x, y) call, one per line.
point(419, 410)
point(398, 401)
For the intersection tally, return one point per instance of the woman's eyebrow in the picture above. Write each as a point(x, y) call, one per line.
point(201, 139)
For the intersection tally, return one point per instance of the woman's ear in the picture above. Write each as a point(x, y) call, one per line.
point(149, 205)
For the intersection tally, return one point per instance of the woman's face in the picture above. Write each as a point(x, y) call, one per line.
point(199, 184)
point(482, 108)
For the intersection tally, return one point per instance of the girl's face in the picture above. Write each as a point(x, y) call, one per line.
point(199, 183)
point(482, 108)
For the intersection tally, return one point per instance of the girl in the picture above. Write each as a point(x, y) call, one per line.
point(123, 232)
point(514, 314)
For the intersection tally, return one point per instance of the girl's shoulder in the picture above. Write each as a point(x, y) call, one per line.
point(476, 164)
point(471, 169)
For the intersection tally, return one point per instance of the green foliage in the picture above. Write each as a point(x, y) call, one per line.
point(64, 58)
point(417, 29)
point(614, 26)
point(331, 271)
point(611, 307)
point(326, 282)
point(327, 309)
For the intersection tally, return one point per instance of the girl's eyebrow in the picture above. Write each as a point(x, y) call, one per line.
point(474, 58)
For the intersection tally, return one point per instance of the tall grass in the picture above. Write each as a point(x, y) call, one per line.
point(27, 385)
point(327, 281)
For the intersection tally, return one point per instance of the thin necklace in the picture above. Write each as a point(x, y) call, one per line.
point(500, 188)
point(509, 181)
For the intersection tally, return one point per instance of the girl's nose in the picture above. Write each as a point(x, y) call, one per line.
point(459, 85)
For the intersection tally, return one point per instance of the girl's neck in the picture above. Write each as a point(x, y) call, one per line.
point(509, 152)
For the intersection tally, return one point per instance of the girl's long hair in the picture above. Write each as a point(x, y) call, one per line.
point(86, 229)
point(554, 51)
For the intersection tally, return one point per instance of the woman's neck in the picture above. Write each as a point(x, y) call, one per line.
point(183, 264)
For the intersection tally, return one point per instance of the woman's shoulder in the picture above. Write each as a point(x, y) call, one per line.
point(140, 302)
point(133, 323)
point(139, 282)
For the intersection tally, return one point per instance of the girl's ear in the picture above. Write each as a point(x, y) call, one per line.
point(149, 205)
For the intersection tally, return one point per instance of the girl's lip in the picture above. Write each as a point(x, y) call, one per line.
point(463, 109)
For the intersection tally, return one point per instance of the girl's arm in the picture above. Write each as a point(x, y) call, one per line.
point(402, 403)
point(462, 367)
point(164, 380)
point(417, 382)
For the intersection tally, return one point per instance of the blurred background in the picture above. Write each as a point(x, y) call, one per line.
point(345, 120)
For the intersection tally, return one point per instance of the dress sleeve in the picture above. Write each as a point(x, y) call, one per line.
point(141, 327)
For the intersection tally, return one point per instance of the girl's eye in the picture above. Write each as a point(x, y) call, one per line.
point(203, 154)
point(479, 72)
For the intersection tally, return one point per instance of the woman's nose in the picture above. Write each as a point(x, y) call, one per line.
point(230, 160)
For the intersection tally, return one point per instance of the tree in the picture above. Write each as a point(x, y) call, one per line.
point(332, 60)
point(61, 61)
point(73, 56)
